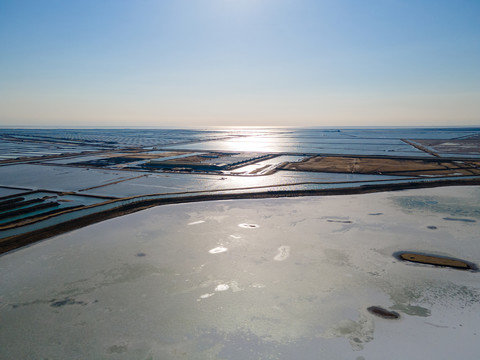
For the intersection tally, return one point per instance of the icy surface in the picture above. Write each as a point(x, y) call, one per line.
point(9, 191)
point(174, 182)
point(295, 285)
point(120, 183)
point(60, 178)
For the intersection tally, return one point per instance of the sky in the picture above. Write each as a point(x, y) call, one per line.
point(239, 62)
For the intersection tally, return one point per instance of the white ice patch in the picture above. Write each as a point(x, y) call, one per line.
point(283, 253)
point(222, 287)
point(196, 222)
point(141, 235)
point(257, 286)
point(217, 250)
point(450, 144)
point(205, 296)
point(235, 237)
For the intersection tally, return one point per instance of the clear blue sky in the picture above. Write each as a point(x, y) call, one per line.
point(240, 62)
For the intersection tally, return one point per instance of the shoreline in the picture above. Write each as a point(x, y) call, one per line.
point(16, 242)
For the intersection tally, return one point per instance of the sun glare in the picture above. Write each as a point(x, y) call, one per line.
point(254, 144)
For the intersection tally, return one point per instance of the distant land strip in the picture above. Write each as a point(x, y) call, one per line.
point(420, 147)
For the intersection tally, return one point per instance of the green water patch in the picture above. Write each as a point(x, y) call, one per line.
point(413, 310)
point(417, 299)
point(438, 204)
point(358, 332)
point(404, 300)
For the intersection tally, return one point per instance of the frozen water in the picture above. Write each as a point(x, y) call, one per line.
point(87, 294)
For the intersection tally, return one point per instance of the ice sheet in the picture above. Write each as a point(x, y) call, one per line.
point(295, 285)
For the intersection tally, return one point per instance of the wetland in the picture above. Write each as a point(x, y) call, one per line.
point(269, 243)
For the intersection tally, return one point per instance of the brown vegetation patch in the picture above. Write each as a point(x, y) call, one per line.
point(141, 156)
point(436, 260)
point(194, 159)
point(368, 165)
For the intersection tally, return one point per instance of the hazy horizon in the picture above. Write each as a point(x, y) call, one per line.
point(202, 63)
